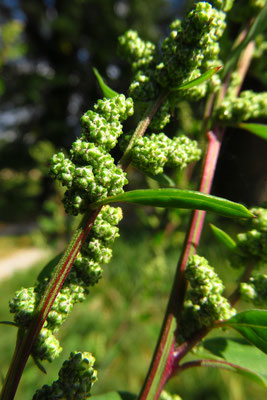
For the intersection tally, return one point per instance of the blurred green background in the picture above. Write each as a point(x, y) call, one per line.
point(47, 51)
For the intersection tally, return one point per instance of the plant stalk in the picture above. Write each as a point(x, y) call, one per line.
point(26, 338)
point(164, 360)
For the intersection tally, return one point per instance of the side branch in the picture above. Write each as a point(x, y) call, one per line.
point(159, 374)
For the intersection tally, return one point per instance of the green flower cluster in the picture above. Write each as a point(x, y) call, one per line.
point(90, 173)
point(255, 290)
point(85, 272)
point(75, 379)
point(190, 49)
point(151, 153)
point(252, 245)
point(205, 303)
point(237, 109)
point(192, 45)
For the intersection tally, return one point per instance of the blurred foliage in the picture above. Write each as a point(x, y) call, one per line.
point(120, 322)
point(46, 61)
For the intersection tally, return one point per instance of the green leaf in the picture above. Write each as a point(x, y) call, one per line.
point(106, 90)
point(39, 365)
point(251, 324)
point(258, 26)
point(258, 129)
point(162, 179)
point(223, 237)
point(236, 355)
point(49, 267)
point(114, 396)
point(177, 198)
point(197, 81)
point(11, 323)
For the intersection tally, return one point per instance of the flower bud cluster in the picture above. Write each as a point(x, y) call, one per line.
point(85, 272)
point(248, 105)
point(192, 45)
point(252, 245)
point(190, 49)
point(205, 303)
point(90, 173)
point(151, 153)
point(255, 290)
point(139, 53)
point(75, 379)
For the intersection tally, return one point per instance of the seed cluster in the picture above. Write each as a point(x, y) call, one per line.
point(151, 153)
point(75, 379)
point(237, 109)
point(205, 303)
point(86, 271)
point(90, 172)
point(190, 49)
point(252, 245)
point(255, 290)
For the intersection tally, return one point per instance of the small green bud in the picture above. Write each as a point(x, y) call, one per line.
point(62, 169)
point(182, 151)
point(260, 222)
point(205, 303)
point(46, 347)
point(162, 117)
point(96, 129)
point(238, 109)
point(135, 50)
point(151, 153)
point(143, 86)
point(23, 305)
point(255, 290)
point(251, 247)
point(117, 108)
point(97, 251)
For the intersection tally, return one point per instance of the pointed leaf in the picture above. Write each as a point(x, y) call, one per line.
point(177, 198)
point(258, 26)
point(223, 237)
point(251, 324)
point(39, 365)
point(258, 129)
point(11, 323)
point(162, 179)
point(106, 90)
point(236, 355)
point(197, 81)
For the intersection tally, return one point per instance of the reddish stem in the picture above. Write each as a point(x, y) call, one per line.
point(26, 339)
point(179, 287)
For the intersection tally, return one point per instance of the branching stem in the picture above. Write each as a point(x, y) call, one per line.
point(26, 338)
point(158, 373)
